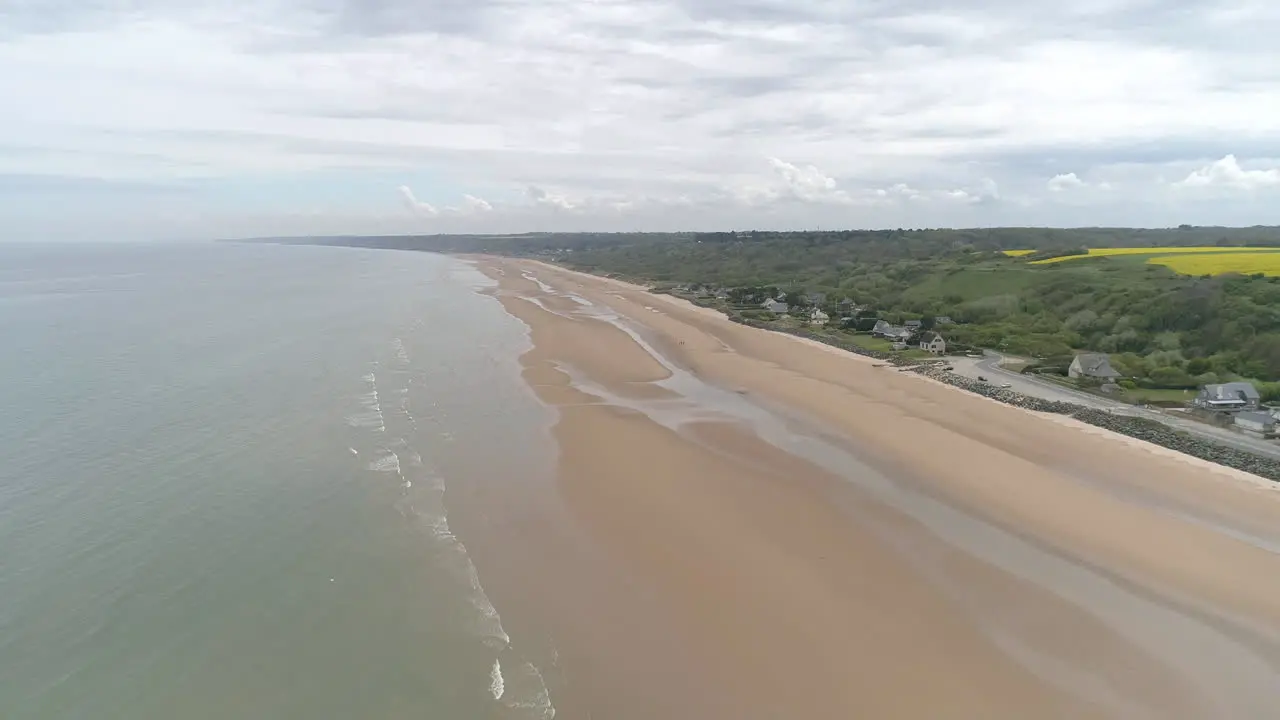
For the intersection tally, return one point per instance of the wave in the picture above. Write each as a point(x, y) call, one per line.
point(541, 285)
point(524, 691)
point(496, 683)
point(389, 463)
point(521, 688)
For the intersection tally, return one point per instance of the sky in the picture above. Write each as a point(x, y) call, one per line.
point(185, 119)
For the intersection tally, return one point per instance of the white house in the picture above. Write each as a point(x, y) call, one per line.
point(933, 342)
point(817, 317)
point(775, 306)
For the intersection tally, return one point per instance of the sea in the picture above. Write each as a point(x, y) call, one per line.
point(227, 479)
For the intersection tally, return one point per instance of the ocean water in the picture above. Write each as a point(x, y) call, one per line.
point(225, 480)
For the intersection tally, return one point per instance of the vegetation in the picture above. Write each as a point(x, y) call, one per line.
point(1164, 329)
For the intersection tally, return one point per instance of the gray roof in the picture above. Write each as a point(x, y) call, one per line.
point(930, 337)
point(1096, 365)
point(1232, 391)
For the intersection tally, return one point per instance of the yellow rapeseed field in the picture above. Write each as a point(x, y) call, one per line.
point(1206, 260)
point(1105, 252)
point(1266, 262)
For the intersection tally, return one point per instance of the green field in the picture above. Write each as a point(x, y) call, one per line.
point(871, 343)
point(1162, 396)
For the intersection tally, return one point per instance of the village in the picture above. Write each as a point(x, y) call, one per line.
point(1235, 405)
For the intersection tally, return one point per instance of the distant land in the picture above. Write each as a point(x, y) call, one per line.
point(1163, 329)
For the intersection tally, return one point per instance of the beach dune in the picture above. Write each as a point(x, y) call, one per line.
point(791, 531)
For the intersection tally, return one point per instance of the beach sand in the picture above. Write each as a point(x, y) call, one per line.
point(764, 527)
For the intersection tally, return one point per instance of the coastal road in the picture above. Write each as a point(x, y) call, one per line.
point(989, 366)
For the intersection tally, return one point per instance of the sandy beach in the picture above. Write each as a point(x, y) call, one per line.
point(768, 528)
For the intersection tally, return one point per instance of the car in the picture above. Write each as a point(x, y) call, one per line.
point(1006, 385)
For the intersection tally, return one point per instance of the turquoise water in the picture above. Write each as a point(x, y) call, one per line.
point(224, 485)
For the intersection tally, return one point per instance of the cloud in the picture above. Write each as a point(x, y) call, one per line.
point(1227, 173)
point(477, 205)
point(1064, 182)
point(471, 205)
point(641, 114)
point(416, 205)
point(807, 183)
point(542, 198)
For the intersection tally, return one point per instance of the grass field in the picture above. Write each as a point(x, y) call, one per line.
point(1205, 260)
point(871, 343)
point(1157, 396)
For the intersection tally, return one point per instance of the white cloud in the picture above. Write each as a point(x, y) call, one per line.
point(540, 197)
point(1065, 182)
point(659, 110)
point(1227, 173)
point(471, 205)
point(477, 205)
point(415, 205)
point(807, 183)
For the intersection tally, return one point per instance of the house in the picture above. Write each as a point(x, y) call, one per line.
point(1256, 423)
point(912, 324)
point(933, 343)
point(846, 305)
point(1092, 365)
point(899, 345)
point(816, 298)
point(1228, 397)
point(881, 328)
point(817, 317)
point(722, 294)
point(943, 320)
point(775, 306)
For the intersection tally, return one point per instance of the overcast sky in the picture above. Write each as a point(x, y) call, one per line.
point(185, 119)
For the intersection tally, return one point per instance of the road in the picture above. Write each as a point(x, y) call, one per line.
point(989, 367)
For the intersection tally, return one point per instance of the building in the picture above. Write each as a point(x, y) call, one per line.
point(817, 317)
point(933, 342)
point(816, 299)
point(913, 324)
point(1228, 397)
point(775, 306)
point(1255, 423)
point(881, 328)
point(1095, 366)
point(899, 345)
point(943, 320)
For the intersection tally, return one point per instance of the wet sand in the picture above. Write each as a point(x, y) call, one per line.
point(761, 527)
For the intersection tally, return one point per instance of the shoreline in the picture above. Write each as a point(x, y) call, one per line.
point(741, 525)
point(1218, 458)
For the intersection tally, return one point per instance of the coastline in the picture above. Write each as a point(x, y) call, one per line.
point(782, 502)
